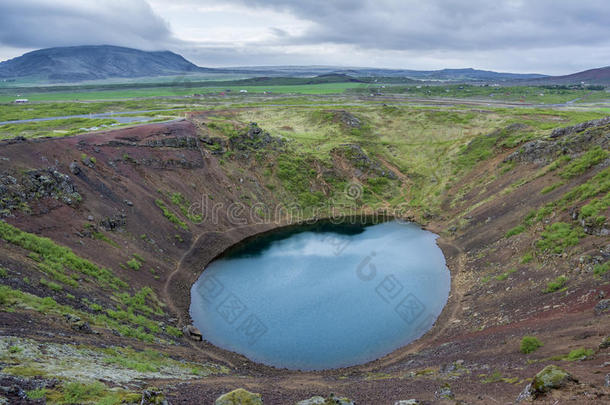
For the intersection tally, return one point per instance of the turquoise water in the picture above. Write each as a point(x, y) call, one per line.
point(323, 297)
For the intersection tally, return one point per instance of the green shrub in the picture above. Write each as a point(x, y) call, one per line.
point(3, 272)
point(556, 285)
point(530, 344)
point(15, 349)
point(134, 264)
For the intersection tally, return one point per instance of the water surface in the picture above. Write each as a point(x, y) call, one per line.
point(323, 297)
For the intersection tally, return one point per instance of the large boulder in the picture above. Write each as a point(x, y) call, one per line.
point(550, 378)
point(239, 397)
point(193, 333)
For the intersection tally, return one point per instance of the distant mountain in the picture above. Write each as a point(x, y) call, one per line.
point(600, 76)
point(82, 63)
point(462, 75)
point(78, 63)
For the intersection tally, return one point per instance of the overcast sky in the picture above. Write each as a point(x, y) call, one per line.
point(541, 36)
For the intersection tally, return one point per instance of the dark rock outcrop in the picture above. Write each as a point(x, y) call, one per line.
point(254, 138)
point(565, 141)
point(19, 189)
point(179, 142)
point(358, 158)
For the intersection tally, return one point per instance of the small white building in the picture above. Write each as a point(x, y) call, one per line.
point(21, 101)
point(243, 91)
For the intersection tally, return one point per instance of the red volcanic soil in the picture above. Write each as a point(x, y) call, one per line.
point(473, 348)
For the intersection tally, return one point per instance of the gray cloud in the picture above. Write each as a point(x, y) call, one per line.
point(48, 23)
point(448, 24)
point(548, 36)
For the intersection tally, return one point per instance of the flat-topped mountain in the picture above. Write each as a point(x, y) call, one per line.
point(77, 63)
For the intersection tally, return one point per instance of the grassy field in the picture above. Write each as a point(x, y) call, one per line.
point(525, 94)
point(89, 95)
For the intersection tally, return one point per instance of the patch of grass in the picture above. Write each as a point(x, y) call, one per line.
point(579, 354)
point(515, 231)
point(3, 272)
point(185, 207)
point(556, 285)
point(526, 258)
point(552, 187)
point(56, 259)
point(170, 215)
point(79, 393)
point(530, 344)
point(497, 377)
point(585, 162)
point(558, 237)
point(15, 349)
point(173, 331)
point(50, 284)
point(594, 207)
point(36, 394)
point(144, 361)
point(505, 275)
point(601, 269)
point(24, 371)
point(126, 322)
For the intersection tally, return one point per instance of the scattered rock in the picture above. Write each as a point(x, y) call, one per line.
point(115, 222)
point(330, 400)
point(74, 168)
point(90, 218)
point(444, 393)
point(407, 402)
point(361, 161)
point(153, 397)
point(550, 378)
point(87, 161)
point(602, 306)
point(128, 203)
point(77, 324)
point(607, 380)
point(239, 397)
point(605, 343)
point(317, 400)
point(348, 119)
point(192, 332)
